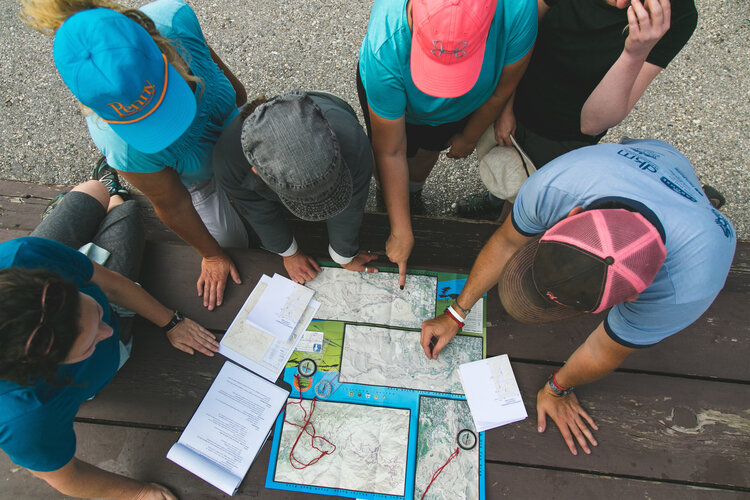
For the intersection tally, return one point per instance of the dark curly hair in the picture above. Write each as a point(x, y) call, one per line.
point(21, 310)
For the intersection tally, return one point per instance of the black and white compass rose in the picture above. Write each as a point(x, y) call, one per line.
point(466, 439)
point(307, 367)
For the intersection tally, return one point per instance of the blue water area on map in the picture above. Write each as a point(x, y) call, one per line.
point(450, 289)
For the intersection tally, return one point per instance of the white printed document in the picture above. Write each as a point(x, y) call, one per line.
point(229, 428)
point(256, 349)
point(280, 307)
point(492, 392)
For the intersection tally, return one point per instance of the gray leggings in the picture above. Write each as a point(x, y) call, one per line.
point(80, 219)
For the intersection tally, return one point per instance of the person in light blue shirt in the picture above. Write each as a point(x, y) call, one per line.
point(156, 99)
point(435, 74)
point(654, 283)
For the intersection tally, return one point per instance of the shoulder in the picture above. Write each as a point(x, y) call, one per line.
point(173, 18)
point(387, 29)
point(31, 252)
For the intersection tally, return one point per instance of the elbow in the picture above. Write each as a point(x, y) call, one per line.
point(589, 127)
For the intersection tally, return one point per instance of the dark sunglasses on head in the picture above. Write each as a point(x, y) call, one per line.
point(42, 337)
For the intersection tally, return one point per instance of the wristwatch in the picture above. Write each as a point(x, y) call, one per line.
point(176, 318)
point(556, 389)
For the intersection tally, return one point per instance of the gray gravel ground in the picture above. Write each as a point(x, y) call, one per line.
point(700, 103)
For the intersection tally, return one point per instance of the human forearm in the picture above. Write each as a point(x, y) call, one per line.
point(490, 263)
point(180, 216)
point(393, 174)
point(596, 357)
point(83, 480)
point(630, 75)
point(612, 99)
point(123, 292)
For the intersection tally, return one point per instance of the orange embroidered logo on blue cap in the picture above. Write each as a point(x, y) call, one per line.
point(147, 94)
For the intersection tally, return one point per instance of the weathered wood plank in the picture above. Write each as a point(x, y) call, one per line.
point(649, 426)
point(439, 241)
point(716, 345)
point(508, 481)
point(141, 454)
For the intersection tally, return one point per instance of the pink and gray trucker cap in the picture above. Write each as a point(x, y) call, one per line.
point(587, 262)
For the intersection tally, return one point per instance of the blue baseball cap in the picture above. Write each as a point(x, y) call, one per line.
point(113, 66)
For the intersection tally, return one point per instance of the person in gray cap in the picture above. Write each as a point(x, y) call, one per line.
point(307, 151)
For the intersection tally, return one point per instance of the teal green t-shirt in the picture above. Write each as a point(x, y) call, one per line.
point(384, 62)
point(36, 421)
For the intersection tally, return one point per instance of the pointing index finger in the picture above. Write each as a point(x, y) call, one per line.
point(402, 274)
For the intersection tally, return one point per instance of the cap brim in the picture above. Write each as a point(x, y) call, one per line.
point(445, 80)
point(167, 122)
point(332, 203)
point(520, 297)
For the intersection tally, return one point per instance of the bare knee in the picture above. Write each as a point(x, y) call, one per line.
point(96, 190)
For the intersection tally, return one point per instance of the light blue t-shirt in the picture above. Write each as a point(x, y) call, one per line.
point(385, 66)
point(190, 155)
point(36, 421)
point(652, 175)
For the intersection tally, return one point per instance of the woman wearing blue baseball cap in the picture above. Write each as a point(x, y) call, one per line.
point(156, 99)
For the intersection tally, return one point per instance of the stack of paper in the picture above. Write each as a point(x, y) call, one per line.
point(257, 349)
point(280, 307)
point(492, 392)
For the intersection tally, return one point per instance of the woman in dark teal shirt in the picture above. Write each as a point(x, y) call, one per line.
point(60, 339)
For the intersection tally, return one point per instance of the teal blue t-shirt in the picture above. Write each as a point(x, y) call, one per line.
point(384, 62)
point(36, 422)
point(651, 174)
point(190, 155)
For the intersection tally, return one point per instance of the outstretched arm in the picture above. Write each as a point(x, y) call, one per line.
point(630, 75)
point(389, 148)
point(174, 206)
point(187, 335)
point(594, 359)
point(83, 480)
point(436, 333)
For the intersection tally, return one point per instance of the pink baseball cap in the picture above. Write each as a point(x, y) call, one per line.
point(448, 41)
point(588, 262)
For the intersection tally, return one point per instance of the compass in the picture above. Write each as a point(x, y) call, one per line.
point(466, 439)
point(323, 389)
point(307, 367)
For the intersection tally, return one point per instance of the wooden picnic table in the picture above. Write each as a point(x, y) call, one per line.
point(674, 419)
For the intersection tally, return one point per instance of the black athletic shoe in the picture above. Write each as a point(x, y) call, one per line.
point(480, 207)
point(107, 175)
point(52, 205)
point(714, 196)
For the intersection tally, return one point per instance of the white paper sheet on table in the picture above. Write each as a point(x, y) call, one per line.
point(492, 392)
point(280, 307)
point(256, 349)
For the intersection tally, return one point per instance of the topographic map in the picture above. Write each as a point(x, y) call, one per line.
point(374, 298)
point(394, 416)
point(394, 358)
point(371, 448)
point(440, 421)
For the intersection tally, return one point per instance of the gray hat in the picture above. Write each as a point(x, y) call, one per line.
point(295, 152)
point(502, 168)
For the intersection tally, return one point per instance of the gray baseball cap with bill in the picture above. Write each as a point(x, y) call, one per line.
point(296, 153)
